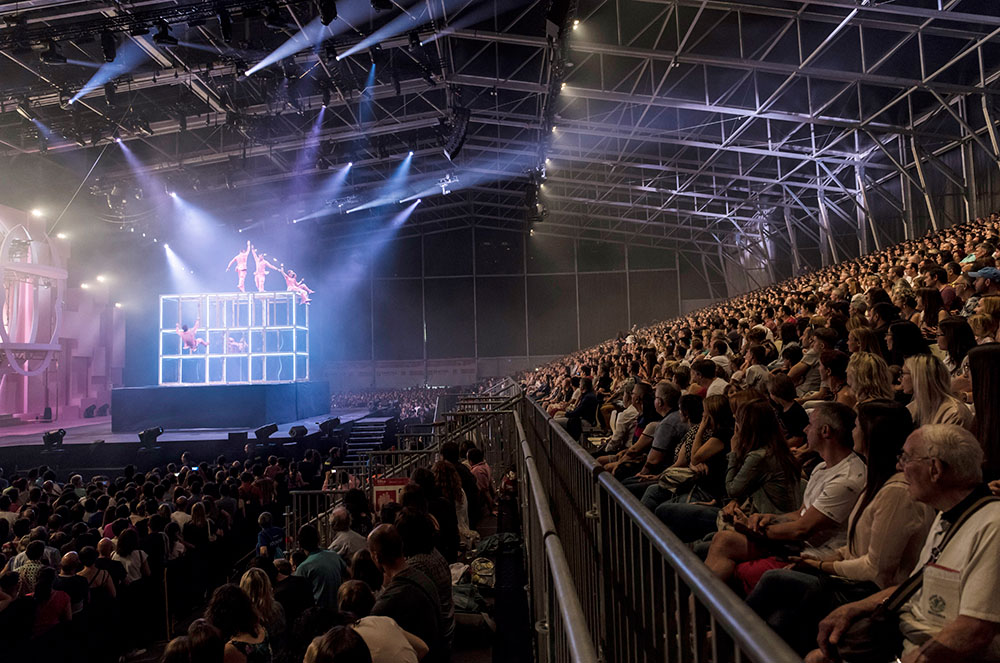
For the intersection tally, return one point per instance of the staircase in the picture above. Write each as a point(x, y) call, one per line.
point(367, 434)
point(7, 420)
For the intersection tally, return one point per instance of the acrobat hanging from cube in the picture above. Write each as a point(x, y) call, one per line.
point(189, 340)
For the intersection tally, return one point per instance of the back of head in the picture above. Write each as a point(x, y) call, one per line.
point(341, 644)
point(450, 452)
point(416, 532)
point(363, 568)
point(781, 386)
point(177, 650)
point(206, 642)
point(231, 611)
point(839, 418)
point(356, 597)
point(386, 545)
point(308, 538)
point(705, 368)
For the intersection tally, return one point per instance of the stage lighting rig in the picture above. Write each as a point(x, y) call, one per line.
point(327, 11)
point(341, 203)
point(109, 46)
point(24, 110)
point(297, 432)
point(264, 432)
point(414, 41)
point(273, 18)
point(52, 54)
point(53, 439)
point(446, 182)
point(163, 36)
point(148, 437)
point(329, 426)
point(381, 5)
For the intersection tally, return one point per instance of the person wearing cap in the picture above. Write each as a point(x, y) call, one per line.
point(987, 281)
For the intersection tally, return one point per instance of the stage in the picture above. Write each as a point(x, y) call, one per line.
point(91, 446)
point(227, 406)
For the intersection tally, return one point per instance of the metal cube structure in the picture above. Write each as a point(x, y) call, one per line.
point(252, 337)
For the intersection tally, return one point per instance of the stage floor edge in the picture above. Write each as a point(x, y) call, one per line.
point(216, 406)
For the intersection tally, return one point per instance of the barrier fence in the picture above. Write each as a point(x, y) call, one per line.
point(607, 580)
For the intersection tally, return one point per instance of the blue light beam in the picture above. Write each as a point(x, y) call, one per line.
point(129, 57)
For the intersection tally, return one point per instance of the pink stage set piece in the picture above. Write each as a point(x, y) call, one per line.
point(61, 348)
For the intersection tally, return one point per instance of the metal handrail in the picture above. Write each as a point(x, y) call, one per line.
point(577, 633)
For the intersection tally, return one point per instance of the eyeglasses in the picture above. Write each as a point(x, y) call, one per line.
point(903, 458)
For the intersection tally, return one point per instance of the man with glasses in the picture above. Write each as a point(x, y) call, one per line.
point(950, 612)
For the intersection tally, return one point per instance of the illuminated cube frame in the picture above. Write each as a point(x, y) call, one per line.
point(274, 326)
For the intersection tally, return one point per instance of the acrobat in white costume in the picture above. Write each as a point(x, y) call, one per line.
point(261, 265)
point(295, 285)
point(241, 266)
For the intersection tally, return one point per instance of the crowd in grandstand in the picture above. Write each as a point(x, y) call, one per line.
point(828, 445)
point(94, 570)
point(415, 405)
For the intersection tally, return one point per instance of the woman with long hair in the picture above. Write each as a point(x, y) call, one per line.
point(52, 606)
point(863, 339)
point(886, 531)
point(232, 612)
point(256, 585)
point(927, 379)
point(869, 377)
point(449, 485)
point(984, 327)
point(931, 310)
point(760, 476)
point(955, 338)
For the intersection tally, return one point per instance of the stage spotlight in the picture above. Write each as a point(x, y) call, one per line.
point(273, 18)
point(37, 213)
point(381, 5)
point(90, 411)
point(52, 55)
point(414, 40)
point(62, 236)
point(24, 110)
point(327, 11)
point(147, 438)
point(296, 432)
point(329, 426)
point(54, 438)
point(225, 25)
point(104, 410)
point(109, 93)
point(265, 432)
point(109, 46)
point(163, 35)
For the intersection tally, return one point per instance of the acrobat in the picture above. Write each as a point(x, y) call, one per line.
point(236, 346)
point(241, 266)
point(188, 339)
point(295, 285)
point(261, 267)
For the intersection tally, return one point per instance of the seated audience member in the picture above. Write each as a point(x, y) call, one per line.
point(869, 377)
point(584, 416)
point(955, 338)
point(341, 644)
point(409, 596)
point(703, 374)
point(664, 444)
point(257, 586)
point(947, 610)
point(294, 593)
point(792, 417)
point(416, 532)
point(52, 606)
point(231, 611)
point(325, 569)
point(622, 424)
point(818, 527)
point(927, 379)
point(805, 374)
point(761, 477)
point(68, 581)
point(345, 541)
point(885, 533)
point(386, 641)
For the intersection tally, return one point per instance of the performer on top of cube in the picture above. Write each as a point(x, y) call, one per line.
point(261, 267)
point(241, 266)
point(295, 285)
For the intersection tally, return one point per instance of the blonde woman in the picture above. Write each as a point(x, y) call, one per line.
point(926, 377)
point(863, 339)
point(984, 327)
point(868, 377)
point(990, 306)
point(256, 585)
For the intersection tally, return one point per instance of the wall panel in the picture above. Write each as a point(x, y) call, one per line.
point(399, 332)
point(551, 314)
point(603, 307)
point(451, 318)
point(500, 316)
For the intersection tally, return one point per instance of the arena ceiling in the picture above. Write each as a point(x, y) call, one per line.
point(693, 124)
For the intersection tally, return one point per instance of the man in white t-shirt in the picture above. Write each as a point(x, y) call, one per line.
point(955, 614)
point(820, 524)
point(703, 373)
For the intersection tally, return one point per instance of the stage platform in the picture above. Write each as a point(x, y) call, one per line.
point(90, 444)
point(216, 406)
